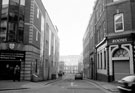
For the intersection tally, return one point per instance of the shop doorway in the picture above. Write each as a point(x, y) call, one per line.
point(121, 64)
point(7, 69)
point(121, 69)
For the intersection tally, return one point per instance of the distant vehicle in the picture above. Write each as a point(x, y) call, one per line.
point(78, 76)
point(61, 73)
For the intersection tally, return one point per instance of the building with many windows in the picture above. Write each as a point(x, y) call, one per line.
point(114, 39)
point(71, 69)
point(61, 66)
point(28, 39)
point(70, 59)
point(71, 63)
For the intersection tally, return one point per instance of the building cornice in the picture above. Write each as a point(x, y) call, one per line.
point(116, 3)
point(120, 34)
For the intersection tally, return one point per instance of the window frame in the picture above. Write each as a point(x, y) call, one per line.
point(116, 15)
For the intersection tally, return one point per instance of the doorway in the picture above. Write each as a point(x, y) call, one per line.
point(121, 63)
point(121, 69)
point(7, 69)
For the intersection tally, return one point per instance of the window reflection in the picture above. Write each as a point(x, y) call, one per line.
point(21, 21)
point(12, 20)
point(4, 2)
point(22, 2)
point(14, 2)
point(4, 19)
point(13, 17)
point(12, 28)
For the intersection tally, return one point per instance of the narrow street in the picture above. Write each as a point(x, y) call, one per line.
point(66, 85)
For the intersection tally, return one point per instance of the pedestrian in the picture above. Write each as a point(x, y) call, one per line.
point(16, 73)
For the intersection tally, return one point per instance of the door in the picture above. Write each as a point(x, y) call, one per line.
point(121, 69)
point(7, 68)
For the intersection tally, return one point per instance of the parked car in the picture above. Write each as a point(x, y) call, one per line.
point(78, 76)
point(127, 84)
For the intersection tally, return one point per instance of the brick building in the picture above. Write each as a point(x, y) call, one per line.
point(114, 38)
point(89, 49)
point(25, 40)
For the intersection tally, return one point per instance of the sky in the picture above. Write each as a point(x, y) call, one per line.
point(71, 17)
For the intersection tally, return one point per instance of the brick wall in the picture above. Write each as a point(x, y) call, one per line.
point(133, 14)
point(122, 8)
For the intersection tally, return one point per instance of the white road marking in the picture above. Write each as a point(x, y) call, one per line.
point(72, 84)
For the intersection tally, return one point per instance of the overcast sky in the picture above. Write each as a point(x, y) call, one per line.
point(71, 17)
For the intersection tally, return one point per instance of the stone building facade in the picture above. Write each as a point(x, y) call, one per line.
point(24, 39)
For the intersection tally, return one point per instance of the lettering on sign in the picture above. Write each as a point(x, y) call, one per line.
point(119, 40)
point(11, 56)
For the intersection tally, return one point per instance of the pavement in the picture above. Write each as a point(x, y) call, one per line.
point(10, 85)
point(110, 86)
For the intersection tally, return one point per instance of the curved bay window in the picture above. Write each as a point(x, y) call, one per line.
point(21, 21)
point(4, 20)
point(12, 20)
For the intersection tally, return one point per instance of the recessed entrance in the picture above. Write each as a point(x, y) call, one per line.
point(8, 61)
point(7, 69)
point(121, 64)
point(121, 69)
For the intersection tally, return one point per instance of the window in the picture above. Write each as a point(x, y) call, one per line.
point(46, 62)
point(103, 4)
point(22, 2)
point(101, 60)
point(14, 2)
point(37, 13)
point(12, 29)
point(98, 61)
point(36, 35)
point(104, 59)
point(47, 27)
point(119, 22)
point(5, 2)
point(121, 53)
point(12, 20)
point(4, 20)
point(36, 66)
point(20, 32)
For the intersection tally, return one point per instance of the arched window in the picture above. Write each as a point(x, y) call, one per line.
point(121, 53)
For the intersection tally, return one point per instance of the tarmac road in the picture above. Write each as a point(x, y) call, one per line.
point(62, 86)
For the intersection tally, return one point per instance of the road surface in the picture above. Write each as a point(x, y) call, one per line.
point(66, 85)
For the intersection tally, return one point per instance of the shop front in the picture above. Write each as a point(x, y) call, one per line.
point(120, 57)
point(8, 61)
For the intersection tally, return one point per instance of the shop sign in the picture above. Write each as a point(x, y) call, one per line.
point(120, 40)
point(11, 56)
